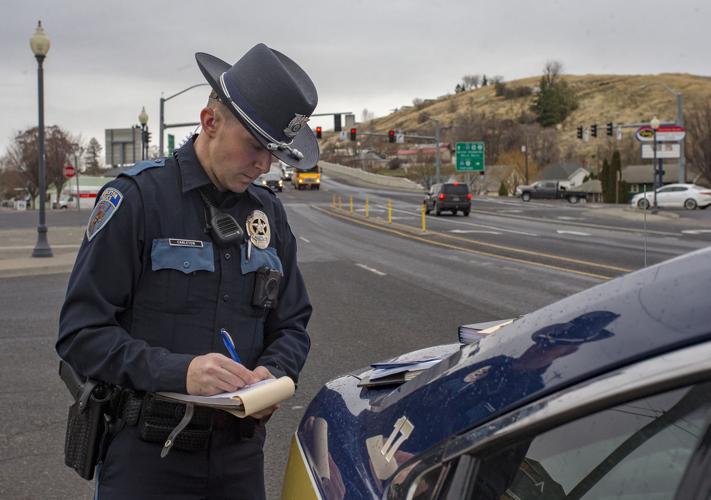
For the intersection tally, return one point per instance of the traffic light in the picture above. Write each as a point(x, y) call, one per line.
point(337, 123)
point(148, 136)
point(353, 134)
point(319, 130)
point(593, 130)
point(610, 125)
point(580, 132)
point(391, 136)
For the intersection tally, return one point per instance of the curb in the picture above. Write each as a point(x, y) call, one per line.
point(28, 266)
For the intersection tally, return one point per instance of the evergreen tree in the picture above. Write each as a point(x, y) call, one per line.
point(503, 190)
point(605, 181)
point(616, 178)
point(93, 157)
point(555, 101)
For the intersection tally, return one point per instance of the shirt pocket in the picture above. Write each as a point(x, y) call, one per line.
point(178, 269)
point(260, 258)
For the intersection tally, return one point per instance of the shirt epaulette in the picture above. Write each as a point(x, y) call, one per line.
point(143, 165)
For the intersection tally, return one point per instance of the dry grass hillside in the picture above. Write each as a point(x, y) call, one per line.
point(602, 98)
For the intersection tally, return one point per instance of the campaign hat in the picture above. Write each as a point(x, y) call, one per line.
point(272, 97)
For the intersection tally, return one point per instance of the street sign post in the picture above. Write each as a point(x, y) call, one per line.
point(470, 157)
point(69, 171)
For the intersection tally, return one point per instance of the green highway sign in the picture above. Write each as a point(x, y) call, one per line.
point(171, 144)
point(470, 157)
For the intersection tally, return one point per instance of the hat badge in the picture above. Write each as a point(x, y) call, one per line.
point(295, 125)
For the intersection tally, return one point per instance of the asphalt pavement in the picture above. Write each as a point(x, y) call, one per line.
point(377, 292)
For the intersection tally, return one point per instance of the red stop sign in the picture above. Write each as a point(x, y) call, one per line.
point(69, 171)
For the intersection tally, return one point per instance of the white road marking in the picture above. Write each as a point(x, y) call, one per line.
point(562, 217)
point(304, 239)
point(375, 271)
point(477, 224)
point(466, 231)
point(696, 231)
point(575, 233)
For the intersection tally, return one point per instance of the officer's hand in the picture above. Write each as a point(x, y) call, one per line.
point(262, 373)
point(213, 373)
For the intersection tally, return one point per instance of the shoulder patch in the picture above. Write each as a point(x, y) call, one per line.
point(143, 165)
point(104, 209)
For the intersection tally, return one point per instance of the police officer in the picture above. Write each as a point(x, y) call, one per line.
point(178, 249)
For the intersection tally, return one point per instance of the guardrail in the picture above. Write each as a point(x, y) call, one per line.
point(370, 178)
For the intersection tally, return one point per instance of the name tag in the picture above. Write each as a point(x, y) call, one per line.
point(174, 242)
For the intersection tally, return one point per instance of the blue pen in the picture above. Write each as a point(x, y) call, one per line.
point(230, 345)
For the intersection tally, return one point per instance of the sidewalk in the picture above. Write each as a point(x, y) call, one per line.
point(16, 251)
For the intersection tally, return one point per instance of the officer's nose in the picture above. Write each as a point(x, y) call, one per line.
point(264, 162)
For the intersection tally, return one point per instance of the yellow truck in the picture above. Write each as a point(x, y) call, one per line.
point(307, 179)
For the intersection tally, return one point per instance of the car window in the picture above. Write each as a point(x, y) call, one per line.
point(455, 189)
point(633, 451)
point(666, 190)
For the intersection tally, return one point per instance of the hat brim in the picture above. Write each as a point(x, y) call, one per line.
point(305, 141)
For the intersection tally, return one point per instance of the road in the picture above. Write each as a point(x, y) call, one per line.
point(376, 293)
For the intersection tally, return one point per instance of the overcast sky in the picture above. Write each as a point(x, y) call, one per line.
point(108, 59)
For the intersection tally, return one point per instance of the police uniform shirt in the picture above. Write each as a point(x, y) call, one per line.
point(150, 290)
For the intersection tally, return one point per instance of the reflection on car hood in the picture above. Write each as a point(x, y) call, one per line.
point(639, 315)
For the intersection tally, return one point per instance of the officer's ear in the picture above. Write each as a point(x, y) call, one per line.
point(208, 121)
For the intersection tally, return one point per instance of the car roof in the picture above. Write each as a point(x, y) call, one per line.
point(595, 331)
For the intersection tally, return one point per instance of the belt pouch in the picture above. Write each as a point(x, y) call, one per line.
point(159, 418)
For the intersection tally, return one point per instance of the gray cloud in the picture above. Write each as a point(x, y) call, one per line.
point(109, 59)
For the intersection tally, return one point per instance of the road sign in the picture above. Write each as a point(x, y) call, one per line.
point(171, 144)
point(665, 151)
point(665, 133)
point(470, 157)
point(69, 171)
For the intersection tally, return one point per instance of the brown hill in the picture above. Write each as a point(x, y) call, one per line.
point(602, 98)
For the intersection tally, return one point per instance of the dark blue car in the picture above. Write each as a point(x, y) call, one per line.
point(603, 395)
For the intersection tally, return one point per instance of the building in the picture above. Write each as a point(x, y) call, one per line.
point(573, 173)
point(640, 178)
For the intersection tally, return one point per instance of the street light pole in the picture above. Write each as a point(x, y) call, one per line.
point(40, 46)
point(438, 161)
point(524, 150)
point(143, 119)
point(655, 125)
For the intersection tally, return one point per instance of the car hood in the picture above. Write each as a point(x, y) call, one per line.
point(578, 338)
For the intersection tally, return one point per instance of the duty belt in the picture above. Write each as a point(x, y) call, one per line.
point(177, 425)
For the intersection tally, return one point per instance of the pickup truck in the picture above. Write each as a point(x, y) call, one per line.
point(551, 190)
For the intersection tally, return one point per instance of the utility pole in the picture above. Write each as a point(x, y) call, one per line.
point(438, 161)
point(680, 122)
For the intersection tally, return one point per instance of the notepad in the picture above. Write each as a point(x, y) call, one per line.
point(243, 402)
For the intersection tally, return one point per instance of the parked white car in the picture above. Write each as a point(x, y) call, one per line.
point(688, 196)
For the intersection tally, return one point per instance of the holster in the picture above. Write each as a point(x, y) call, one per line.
point(87, 422)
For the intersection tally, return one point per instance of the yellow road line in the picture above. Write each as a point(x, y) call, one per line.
point(462, 249)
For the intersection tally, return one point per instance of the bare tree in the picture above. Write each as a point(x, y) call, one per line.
point(60, 146)
point(698, 125)
point(366, 115)
point(471, 81)
point(552, 72)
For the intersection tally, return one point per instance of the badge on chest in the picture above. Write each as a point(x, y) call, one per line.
point(258, 229)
